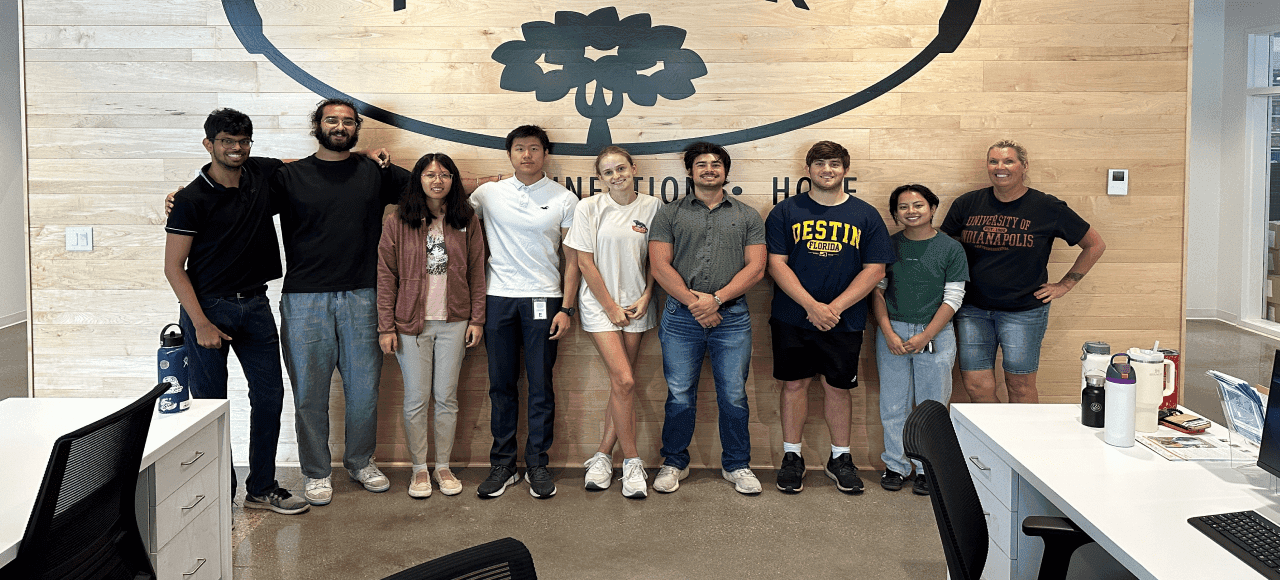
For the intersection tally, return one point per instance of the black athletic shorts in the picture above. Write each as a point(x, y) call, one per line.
point(801, 353)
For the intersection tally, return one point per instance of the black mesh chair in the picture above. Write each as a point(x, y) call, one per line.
point(929, 437)
point(83, 525)
point(497, 560)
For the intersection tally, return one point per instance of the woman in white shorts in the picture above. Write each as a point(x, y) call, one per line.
point(611, 234)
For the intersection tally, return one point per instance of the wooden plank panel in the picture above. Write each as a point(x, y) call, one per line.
point(1083, 76)
point(114, 77)
point(1090, 34)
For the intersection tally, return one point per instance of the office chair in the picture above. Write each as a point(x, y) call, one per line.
point(497, 560)
point(83, 525)
point(929, 437)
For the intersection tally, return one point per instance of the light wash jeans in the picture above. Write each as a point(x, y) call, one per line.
point(906, 381)
point(321, 331)
point(430, 363)
point(685, 343)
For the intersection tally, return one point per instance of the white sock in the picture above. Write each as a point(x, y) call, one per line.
point(791, 448)
point(838, 451)
point(629, 460)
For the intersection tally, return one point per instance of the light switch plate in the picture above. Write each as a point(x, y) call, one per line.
point(80, 239)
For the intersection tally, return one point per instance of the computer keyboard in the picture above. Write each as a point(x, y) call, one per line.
point(1247, 535)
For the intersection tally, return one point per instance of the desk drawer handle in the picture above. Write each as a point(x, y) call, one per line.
point(199, 563)
point(199, 454)
point(199, 498)
point(974, 460)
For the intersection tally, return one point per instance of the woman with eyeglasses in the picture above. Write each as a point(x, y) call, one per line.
point(431, 306)
point(611, 234)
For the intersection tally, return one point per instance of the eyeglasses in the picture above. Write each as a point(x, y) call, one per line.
point(229, 143)
point(434, 176)
point(335, 121)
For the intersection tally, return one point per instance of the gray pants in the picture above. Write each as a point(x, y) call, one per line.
point(430, 363)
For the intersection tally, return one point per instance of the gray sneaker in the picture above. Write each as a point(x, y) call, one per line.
point(599, 471)
point(278, 500)
point(668, 478)
point(371, 478)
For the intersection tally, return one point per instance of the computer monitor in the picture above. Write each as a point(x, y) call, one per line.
point(1269, 451)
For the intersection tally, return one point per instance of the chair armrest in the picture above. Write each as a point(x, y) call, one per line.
point(1061, 539)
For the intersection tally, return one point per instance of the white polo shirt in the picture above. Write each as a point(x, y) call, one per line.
point(522, 227)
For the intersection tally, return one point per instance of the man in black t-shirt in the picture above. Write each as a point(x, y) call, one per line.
point(331, 205)
point(220, 252)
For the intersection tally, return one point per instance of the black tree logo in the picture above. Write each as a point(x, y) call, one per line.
point(640, 47)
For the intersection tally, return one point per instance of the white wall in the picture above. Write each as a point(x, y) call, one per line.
point(13, 265)
point(1220, 173)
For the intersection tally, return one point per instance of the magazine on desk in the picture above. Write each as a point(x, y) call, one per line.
point(1204, 447)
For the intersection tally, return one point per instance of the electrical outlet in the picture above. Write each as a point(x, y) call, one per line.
point(80, 239)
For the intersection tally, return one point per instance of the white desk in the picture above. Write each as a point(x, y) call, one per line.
point(185, 473)
point(1133, 502)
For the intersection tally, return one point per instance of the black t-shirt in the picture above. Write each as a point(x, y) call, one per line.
point(1008, 244)
point(331, 218)
point(234, 247)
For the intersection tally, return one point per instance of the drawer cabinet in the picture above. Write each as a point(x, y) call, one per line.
point(179, 507)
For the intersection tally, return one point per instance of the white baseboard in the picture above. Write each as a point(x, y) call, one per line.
point(12, 319)
point(1202, 313)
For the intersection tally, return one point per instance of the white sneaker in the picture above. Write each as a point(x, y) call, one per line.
point(599, 471)
point(634, 482)
point(668, 478)
point(420, 484)
point(371, 478)
point(318, 491)
point(743, 480)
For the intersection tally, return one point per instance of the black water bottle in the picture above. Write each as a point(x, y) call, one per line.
point(1093, 401)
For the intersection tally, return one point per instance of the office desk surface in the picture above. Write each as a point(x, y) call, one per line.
point(1130, 500)
point(28, 428)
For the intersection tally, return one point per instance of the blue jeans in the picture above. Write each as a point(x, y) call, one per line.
point(254, 339)
point(1018, 334)
point(508, 325)
point(323, 331)
point(906, 381)
point(684, 345)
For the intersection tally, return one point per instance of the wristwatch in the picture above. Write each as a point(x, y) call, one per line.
point(570, 310)
point(717, 299)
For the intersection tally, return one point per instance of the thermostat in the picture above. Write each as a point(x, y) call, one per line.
point(1117, 182)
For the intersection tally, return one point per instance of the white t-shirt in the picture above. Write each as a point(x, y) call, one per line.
point(618, 235)
point(522, 227)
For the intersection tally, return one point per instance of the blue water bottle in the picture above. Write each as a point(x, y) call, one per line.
point(171, 360)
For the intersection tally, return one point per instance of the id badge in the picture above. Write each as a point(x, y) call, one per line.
point(539, 308)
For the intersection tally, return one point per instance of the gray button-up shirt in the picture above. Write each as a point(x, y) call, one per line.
point(708, 244)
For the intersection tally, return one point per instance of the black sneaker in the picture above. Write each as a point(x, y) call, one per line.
point(842, 471)
point(891, 480)
point(500, 476)
point(921, 486)
point(791, 476)
point(541, 484)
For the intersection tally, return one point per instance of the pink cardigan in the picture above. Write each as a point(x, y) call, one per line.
point(402, 273)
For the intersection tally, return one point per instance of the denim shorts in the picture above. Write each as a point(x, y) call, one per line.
point(1018, 334)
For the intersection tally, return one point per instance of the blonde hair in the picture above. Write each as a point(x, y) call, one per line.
point(612, 150)
point(1010, 144)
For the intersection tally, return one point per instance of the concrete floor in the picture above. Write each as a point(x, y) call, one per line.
point(703, 530)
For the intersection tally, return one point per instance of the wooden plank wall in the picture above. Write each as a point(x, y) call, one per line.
point(117, 92)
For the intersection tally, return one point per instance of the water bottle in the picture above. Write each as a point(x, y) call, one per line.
point(1120, 401)
point(171, 360)
point(1094, 358)
point(1093, 402)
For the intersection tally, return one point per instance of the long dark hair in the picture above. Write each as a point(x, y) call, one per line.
point(413, 208)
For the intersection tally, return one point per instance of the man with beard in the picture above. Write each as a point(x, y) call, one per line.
point(706, 249)
point(331, 206)
point(220, 252)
